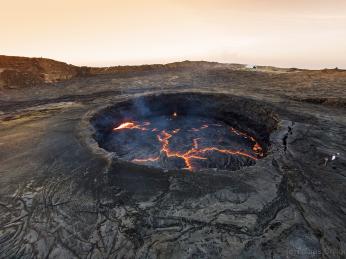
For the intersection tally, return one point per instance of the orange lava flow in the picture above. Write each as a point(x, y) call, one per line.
point(256, 147)
point(131, 125)
point(187, 156)
point(195, 152)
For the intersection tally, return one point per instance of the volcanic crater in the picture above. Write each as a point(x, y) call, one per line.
point(100, 166)
point(186, 131)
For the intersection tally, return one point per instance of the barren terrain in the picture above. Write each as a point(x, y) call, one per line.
point(61, 196)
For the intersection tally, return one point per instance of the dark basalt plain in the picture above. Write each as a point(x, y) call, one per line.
point(63, 196)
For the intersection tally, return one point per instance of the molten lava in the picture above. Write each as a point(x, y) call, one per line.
point(198, 149)
point(256, 147)
point(195, 152)
point(131, 125)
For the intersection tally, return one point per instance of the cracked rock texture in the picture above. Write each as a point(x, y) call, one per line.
point(63, 197)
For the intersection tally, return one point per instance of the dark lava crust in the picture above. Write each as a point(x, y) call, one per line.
point(62, 196)
point(204, 120)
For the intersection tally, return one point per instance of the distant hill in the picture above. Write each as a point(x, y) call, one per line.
point(18, 72)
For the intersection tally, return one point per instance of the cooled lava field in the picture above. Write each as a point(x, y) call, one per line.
point(185, 160)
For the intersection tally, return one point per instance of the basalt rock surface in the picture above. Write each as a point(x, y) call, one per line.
point(64, 196)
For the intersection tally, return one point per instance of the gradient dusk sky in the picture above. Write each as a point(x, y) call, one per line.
point(286, 33)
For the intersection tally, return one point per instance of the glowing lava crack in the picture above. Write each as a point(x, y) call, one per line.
point(202, 147)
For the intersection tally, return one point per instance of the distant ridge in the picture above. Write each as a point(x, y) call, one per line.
point(19, 72)
point(22, 72)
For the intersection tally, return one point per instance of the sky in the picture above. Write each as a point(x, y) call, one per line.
point(284, 33)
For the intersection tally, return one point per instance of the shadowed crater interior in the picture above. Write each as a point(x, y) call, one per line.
point(186, 131)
